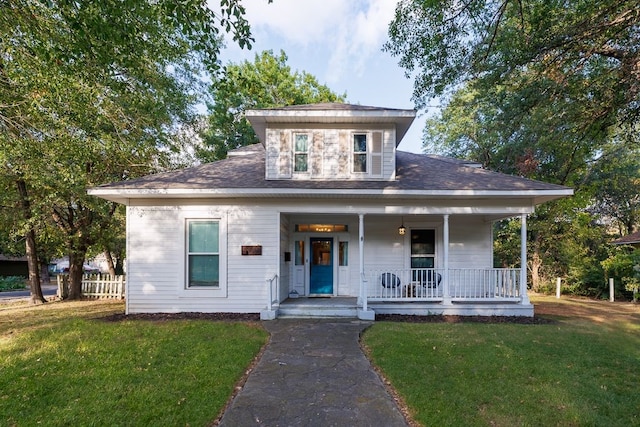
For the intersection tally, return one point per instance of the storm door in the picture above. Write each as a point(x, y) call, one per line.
point(321, 266)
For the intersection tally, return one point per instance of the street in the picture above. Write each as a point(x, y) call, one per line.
point(47, 291)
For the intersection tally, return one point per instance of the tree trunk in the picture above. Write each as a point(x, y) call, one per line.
point(536, 264)
point(76, 261)
point(112, 268)
point(45, 277)
point(30, 243)
point(119, 266)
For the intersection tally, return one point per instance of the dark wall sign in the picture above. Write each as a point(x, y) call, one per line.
point(252, 250)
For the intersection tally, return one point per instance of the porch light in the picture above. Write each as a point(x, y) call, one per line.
point(402, 229)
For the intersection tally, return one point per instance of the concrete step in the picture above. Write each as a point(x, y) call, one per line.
point(305, 312)
point(312, 307)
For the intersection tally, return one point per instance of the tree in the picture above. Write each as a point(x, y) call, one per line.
point(546, 83)
point(92, 92)
point(537, 48)
point(543, 89)
point(615, 182)
point(267, 82)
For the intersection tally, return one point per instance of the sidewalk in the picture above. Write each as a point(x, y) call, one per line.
point(313, 373)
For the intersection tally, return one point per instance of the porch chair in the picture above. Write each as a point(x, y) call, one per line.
point(431, 279)
point(389, 280)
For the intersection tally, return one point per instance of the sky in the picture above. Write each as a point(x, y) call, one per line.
point(340, 43)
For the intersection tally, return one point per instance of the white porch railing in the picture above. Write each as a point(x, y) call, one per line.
point(491, 284)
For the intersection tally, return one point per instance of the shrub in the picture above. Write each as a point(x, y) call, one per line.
point(624, 267)
point(9, 283)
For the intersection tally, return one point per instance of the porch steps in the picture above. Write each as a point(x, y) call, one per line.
point(318, 308)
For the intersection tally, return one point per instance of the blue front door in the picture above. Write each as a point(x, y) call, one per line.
point(321, 274)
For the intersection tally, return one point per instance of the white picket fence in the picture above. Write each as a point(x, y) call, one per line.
point(94, 286)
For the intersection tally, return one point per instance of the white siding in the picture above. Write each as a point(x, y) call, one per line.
point(330, 153)
point(470, 242)
point(156, 249)
point(156, 259)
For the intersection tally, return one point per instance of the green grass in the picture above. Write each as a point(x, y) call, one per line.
point(60, 364)
point(574, 372)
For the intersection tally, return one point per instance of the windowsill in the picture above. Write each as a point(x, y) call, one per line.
point(203, 292)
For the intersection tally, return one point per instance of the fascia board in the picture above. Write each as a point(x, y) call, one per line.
point(309, 193)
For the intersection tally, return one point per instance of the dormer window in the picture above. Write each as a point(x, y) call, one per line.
point(360, 152)
point(301, 152)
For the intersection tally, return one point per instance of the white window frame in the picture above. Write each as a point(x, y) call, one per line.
point(367, 153)
point(372, 157)
point(219, 291)
point(295, 152)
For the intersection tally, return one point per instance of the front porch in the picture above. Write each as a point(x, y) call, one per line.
point(435, 265)
point(422, 292)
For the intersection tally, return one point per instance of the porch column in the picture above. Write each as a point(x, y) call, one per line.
point(363, 292)
point(446, 296)
point(524, 297)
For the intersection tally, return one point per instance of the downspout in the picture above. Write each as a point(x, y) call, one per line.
point(524, 297)
point(363, 294)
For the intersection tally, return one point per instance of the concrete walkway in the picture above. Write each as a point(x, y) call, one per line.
point(313, 373)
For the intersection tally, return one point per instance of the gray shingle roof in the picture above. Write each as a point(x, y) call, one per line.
point(335, 106)
point(629, 239)
point(246, 170)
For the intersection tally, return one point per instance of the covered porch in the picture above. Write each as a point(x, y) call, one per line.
point(406, 283)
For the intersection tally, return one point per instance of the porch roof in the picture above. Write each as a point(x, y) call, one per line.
point(242, 174)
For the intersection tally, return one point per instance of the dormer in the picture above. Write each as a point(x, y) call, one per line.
point(330, 141)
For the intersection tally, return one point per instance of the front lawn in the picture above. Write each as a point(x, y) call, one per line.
point(62, 364)
point(575, 371)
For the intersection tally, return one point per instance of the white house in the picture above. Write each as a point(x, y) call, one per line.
point(326, 210)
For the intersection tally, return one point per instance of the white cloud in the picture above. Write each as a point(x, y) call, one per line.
point(351, 31)
point(364, 33)
point(337, 41)
point(298, 22)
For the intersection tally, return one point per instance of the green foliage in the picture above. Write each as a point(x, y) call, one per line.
point(65, 365)
point(540, 48)
point(624, 267)
point(542, 89)
point(95, 92)
point(266, 82)
point(9, 283)
point(614, 180)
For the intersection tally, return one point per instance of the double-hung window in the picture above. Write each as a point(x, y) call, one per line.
point(360, 153)
point(203, 254)
point(368, 154)
point(301, 152)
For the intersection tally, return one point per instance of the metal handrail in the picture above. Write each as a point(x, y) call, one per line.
point(270, 281)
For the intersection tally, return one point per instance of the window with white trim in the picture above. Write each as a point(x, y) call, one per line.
point(423, 248)
point(301, 152)
point(203, 254)
point(367, 153)
point(360, 153)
